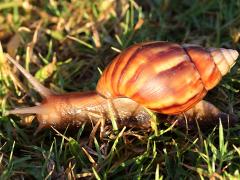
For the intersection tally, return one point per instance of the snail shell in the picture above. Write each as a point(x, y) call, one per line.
point(165, 77)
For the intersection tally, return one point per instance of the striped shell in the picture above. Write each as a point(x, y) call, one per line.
point(165, 77)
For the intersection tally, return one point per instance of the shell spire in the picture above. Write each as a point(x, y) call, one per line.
point(224, 58)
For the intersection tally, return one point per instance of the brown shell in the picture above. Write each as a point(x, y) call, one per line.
point(162, 76)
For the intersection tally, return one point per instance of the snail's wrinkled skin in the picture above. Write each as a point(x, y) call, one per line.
point(75, 108)
point(158, 77)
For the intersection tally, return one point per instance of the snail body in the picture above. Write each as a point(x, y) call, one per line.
point(163, 77)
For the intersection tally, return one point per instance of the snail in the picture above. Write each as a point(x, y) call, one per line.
point(161, 77)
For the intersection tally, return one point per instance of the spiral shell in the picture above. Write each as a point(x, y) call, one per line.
point(165, 77)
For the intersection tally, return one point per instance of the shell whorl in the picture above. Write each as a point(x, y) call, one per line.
point(162, 76)
point(224, 58)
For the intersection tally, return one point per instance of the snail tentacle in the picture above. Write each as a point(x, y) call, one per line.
point(26, 110)
point(42, 90)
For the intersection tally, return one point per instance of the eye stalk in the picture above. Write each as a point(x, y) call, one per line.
point(43, 91)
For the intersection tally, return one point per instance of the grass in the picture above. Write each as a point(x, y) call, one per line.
point(70, 43)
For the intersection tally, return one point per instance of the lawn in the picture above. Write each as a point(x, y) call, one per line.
point(66, 45)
